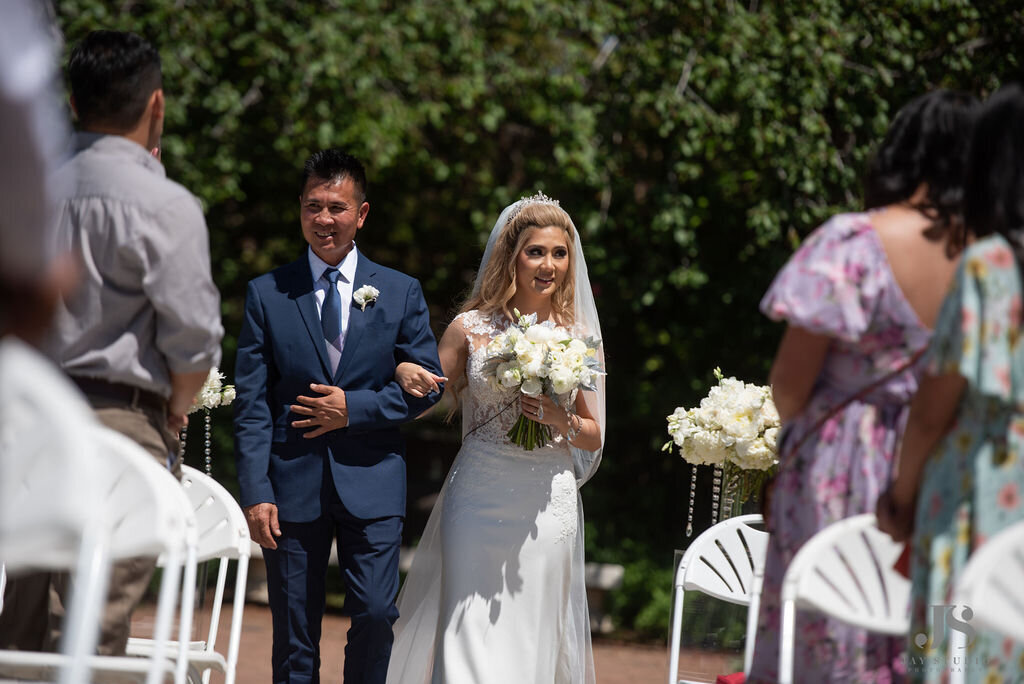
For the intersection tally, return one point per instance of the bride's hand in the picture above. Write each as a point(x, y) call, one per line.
point(541, 409)
point(417, 380)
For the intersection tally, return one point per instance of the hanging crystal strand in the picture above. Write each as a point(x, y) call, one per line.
point(182, 438)
point(729, 492)
point(206, 445)
point(204, 568)
point(693, 495)
point(716, 491)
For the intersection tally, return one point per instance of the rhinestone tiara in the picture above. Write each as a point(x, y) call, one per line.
point(539, 198)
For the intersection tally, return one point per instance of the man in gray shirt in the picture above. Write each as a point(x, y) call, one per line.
point(142, 330)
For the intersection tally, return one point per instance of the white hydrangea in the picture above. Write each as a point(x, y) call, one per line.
point(213, 393)
point(737, 423)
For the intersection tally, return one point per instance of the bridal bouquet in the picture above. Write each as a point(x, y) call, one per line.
point(540, 358)
point(735, 424)
point(213, 393)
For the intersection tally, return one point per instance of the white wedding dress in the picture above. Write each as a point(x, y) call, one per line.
point(496, 591)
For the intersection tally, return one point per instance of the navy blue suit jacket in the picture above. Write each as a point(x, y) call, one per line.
point(281, 350)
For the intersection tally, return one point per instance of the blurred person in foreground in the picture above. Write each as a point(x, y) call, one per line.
point(960, 476)
point(34, 135)
point(142, 329)
point(860, 297)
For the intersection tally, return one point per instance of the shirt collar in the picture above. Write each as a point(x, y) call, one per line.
point(118, 145)
point(347, 267)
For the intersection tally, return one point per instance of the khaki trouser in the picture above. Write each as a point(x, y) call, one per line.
point(33, 606)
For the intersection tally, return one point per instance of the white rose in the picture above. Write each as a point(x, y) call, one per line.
point(509, 374)
point(577, 346)
point(540, 333)
point(531, 387)
point(708, 448)
point(209, 399)
point(228, 396)
point(535, 368)
point(523, 347)
point(562, 379)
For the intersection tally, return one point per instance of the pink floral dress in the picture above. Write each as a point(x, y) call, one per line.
point(971, 486)
point(838, 284)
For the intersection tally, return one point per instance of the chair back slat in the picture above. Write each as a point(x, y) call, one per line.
point(721, 562)
point(846, 571)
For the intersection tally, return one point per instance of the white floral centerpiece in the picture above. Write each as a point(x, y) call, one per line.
point(540, 358)
point(213, 393)
point(736, 429)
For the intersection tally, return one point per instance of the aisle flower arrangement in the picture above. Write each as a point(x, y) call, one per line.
point(735, 429)
point(212, 394)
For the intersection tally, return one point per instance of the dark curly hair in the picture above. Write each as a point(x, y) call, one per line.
point(926, 143)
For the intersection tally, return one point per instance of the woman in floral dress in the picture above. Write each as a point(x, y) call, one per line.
point(961, 456)
point(859, 297)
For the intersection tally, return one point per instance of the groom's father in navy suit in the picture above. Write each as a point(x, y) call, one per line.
point(316, 425)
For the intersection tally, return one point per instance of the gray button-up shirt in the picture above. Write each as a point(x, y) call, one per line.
point(146, 305)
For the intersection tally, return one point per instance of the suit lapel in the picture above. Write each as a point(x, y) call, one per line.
point(366, 271)
point(301, 290)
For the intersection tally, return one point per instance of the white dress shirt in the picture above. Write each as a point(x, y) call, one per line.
point(347, 269)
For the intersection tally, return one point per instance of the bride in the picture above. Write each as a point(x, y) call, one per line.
point(496, 591)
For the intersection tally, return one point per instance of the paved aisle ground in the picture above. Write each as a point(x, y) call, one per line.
point(616, 663)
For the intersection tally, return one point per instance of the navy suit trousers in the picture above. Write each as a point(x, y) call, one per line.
point(296, 574)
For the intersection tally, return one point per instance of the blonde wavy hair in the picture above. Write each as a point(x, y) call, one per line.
point(498, 284)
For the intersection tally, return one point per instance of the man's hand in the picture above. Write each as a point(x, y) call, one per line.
point(326, 413)
point(176, 422)
point(263, 525)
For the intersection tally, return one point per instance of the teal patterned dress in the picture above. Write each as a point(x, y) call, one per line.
point(972, 484)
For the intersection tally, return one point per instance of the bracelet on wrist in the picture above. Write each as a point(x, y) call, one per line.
point(570, 432)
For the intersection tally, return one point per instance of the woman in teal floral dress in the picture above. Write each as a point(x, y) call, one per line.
point(962, 458)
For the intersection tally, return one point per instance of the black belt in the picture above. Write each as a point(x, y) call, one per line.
point(125, 394)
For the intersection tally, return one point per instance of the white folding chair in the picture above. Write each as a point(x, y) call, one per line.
point(49, 517)
point(223, 535)
point(146, 514)
point(726, 561)
point(845, 571)
point(992, 585)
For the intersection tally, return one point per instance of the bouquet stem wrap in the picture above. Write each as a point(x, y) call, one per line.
point(529, 434)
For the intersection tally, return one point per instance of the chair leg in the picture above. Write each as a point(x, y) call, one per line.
point(87, 600)
point(786, 644)
point(235, 638)
point(188, 593)
point(957, 656)
point(164, 615)
point(751, 637)
point(676, 638)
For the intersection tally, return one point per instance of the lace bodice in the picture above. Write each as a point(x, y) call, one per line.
point(488, 413)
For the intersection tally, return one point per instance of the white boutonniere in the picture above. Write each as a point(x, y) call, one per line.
point(367, 294)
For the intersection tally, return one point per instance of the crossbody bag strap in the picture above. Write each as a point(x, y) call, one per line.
point(861, 393)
